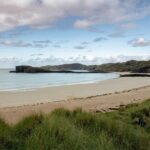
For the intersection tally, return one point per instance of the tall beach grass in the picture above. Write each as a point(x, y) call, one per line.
point(125, 129)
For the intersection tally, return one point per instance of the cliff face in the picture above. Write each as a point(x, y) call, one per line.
point(75, 66)
point(29, 69)
point(22, 68)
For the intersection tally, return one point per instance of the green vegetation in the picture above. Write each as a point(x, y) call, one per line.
point(129, 66)
point(125, 129)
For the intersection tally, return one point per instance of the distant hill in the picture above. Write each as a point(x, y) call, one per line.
point(75, 66)
point(67, 68)
point(129, 66)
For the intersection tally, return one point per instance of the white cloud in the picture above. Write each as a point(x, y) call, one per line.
point(117, 34)
point(39, 60)
point(83, 23)
point(99, 39)
point(121, 29)
point(45, 13)
point(15, 43)
point(139, 42)
point(127, 26)
point(43, 41)
point(80, 47)
point(20, 3)
point(20, 43)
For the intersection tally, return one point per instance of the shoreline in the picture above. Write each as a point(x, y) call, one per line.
point(56, 85)
point(77, 99)
point(95, 104)
point(69, 92)
point(47, 84)
point(101, 96)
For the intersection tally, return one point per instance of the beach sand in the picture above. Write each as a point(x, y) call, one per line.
point(100, 96)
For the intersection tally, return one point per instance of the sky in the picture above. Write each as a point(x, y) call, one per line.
point(50, 32)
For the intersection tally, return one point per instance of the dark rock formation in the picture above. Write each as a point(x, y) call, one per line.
point(30, 69)
point(22, 68)
point(129, 66)
point(135, 75)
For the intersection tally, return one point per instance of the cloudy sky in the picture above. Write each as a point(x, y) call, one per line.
point(41, 32)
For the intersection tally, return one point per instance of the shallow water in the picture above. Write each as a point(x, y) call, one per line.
point(23, 81)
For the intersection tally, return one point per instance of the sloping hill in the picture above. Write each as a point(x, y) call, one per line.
point(74, 66)
point(129, 66)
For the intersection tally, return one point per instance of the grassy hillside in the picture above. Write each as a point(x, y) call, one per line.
point(129, 66)
point(75, 66)
point(125, 129)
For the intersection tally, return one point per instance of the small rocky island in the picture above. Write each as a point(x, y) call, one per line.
point(137, 68)
point(30, 69)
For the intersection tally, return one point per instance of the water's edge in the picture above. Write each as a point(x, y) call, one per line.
point(29, 82)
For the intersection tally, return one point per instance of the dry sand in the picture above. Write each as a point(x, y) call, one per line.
point(101, 96)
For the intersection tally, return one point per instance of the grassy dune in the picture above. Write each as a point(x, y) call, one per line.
point(78, 130)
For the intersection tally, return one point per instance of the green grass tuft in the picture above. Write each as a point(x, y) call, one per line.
point(125, 129)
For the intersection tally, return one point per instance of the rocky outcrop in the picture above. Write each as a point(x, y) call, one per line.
point(129, 66)
point(135, 75)
point(30, 69)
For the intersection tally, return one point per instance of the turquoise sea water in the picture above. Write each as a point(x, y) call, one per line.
point(13, 81)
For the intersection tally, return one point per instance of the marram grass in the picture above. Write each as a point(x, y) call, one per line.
point(125, 129)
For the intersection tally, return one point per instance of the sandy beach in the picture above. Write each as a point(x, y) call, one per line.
point(68, 92)
point(100, 96)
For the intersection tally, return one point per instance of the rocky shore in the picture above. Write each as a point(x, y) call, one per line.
point(30, 69)
point(135, 75)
